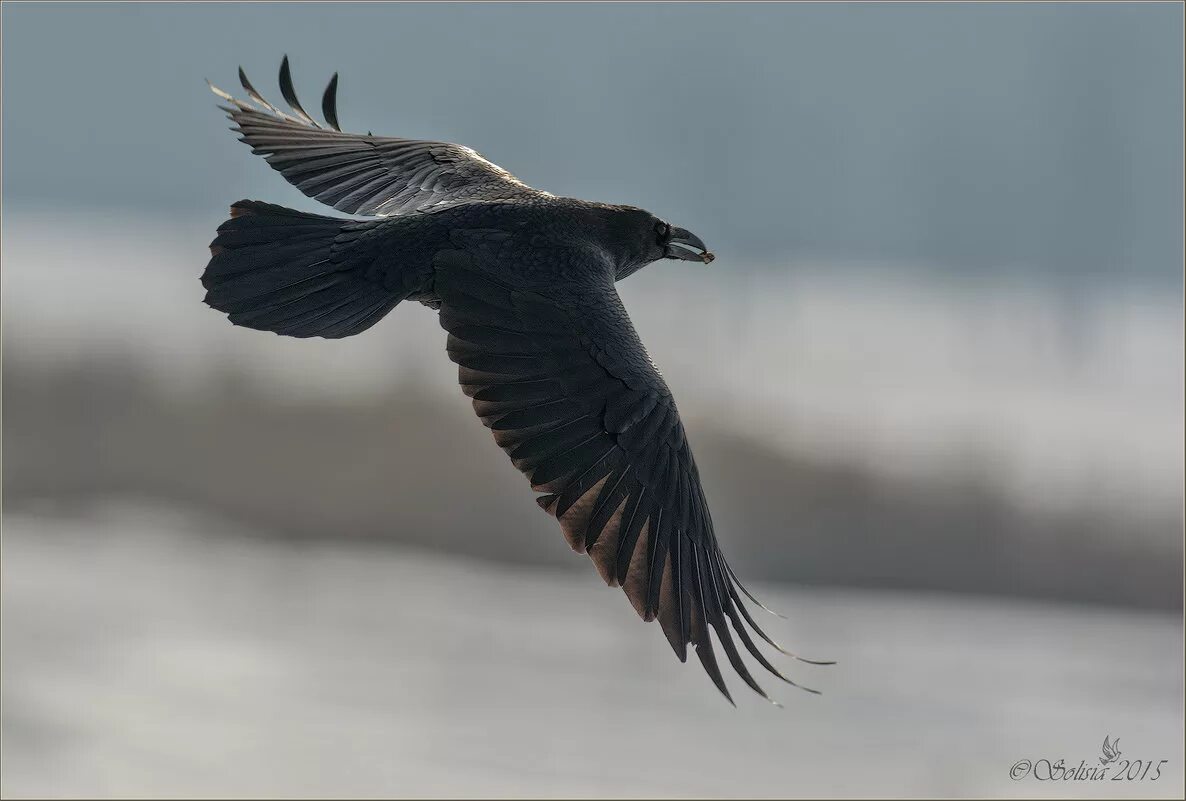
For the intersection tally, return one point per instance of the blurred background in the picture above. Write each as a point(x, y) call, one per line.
point(933, 382)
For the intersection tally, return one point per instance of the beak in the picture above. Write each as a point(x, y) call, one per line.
point(687, 239)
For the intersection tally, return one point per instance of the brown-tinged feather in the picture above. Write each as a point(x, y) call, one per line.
point(636, 577)
point(604, 551)
point(572, 522)
point(669, 613)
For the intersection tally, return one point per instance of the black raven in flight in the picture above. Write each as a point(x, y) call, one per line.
point(524, 283)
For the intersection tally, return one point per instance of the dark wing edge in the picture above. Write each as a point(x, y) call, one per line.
point(357, 174)
point(571, 396)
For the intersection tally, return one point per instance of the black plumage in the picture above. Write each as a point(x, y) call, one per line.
point(524, 284)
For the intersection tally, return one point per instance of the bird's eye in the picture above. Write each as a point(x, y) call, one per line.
point(662, 229)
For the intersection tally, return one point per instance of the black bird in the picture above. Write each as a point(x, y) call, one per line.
point(524, 283)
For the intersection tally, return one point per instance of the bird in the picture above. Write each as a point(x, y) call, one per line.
point(1111, 751)
point(523, 282)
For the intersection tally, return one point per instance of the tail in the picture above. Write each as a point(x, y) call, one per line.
point(298, 274)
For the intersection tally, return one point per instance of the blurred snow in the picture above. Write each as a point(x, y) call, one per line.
point(145, 657)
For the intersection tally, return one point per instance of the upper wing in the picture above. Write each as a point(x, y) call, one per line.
point(358, 174)
point(560, 376)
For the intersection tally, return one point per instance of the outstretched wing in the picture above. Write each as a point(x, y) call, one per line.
point(373, 175)
point(560, 376)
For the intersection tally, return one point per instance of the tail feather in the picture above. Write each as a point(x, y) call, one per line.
point(297, 274)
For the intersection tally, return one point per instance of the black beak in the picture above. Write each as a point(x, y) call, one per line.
point(680, 236)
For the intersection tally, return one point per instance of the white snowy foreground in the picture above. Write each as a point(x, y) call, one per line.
point(150, 653)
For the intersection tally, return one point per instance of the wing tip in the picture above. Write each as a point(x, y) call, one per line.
point(290, 96)
point(329, 103)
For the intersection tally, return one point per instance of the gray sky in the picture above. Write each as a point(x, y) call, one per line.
point(979, 137)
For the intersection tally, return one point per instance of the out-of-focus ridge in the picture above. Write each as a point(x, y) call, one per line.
point(902, 429)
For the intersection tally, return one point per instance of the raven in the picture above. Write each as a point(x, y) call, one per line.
point(524, 285)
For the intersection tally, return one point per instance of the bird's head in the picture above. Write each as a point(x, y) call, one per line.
point(641, 238)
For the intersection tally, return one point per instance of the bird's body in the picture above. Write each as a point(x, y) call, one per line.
point(524, 284)
point(540, 242)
